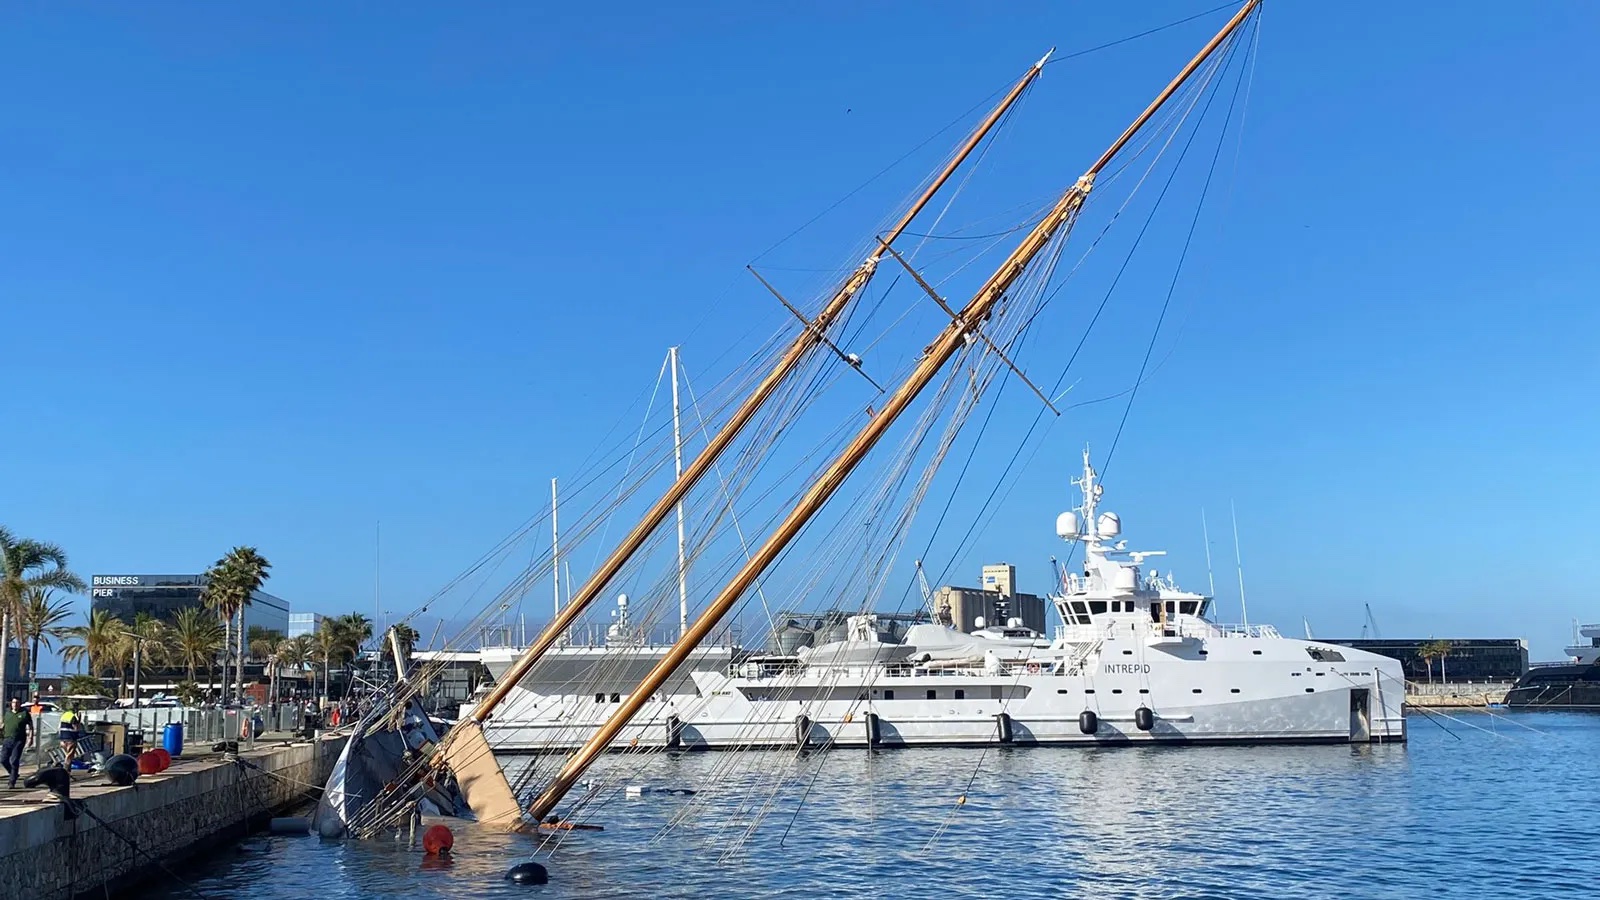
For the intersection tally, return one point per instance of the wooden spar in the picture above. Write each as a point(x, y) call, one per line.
point(934, 358)
point(807, 339)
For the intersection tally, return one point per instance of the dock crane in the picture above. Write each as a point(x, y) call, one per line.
point(1370, 624)
point(939, 614)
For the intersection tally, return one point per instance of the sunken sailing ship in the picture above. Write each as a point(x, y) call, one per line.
point(1131, 641)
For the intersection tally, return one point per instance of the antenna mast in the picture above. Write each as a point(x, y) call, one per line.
point(1244, 610)
point(1205, 533)
point(934, 357)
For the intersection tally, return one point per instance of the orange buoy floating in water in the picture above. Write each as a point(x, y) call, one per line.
point(437, 839)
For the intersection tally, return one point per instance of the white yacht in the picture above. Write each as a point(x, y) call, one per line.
point(1585, 654)
point(1135, 660)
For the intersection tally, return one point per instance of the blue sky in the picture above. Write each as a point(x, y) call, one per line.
point(274, 274)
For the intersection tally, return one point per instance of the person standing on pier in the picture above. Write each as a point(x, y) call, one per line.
point(17, 728)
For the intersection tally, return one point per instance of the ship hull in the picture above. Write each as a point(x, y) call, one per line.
point(1240, 690)
point(1557, 687)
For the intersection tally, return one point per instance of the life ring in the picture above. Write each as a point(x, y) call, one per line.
point(1033, 668)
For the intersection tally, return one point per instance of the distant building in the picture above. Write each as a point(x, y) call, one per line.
point(966, 606)
point(304, 623)
point(1000, 578)
point(162, 596)
point(1469, 659)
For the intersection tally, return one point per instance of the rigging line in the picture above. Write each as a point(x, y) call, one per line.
point(1000, 131)
point(885, 170)
point(1127, 260)
point(743, 544)
point(628, 468)
point(1133, 37)
point(967, 237)
point(1183, 254)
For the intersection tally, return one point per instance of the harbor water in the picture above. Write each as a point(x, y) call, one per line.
point(1476, 805)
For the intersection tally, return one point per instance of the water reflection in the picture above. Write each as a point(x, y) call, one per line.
point(1466, 815)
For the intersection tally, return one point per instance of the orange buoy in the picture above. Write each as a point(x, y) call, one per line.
point(149, 764)
point(163, 758)
point(437, 839)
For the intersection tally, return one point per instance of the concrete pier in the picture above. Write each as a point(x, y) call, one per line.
point(1465, 695)
point(199, 802)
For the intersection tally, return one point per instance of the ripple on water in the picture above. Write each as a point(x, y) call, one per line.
point(1500, 809)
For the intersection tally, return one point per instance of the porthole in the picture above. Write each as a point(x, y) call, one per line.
point(1061, 690)
point(1116, 690)
point(1127, 653)
point(1256, 652)
point(1310, 690)
point(1088, 690)
point(1144, 690)
point(1196, 691)
point(1233, 690)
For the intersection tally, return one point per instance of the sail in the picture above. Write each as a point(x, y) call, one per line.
point(482, 782)
point(375, 758)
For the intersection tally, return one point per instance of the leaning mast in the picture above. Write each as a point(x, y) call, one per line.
point(934, 358)
point(812, 335)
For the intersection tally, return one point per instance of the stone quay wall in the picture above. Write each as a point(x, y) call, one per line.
point(195, 804)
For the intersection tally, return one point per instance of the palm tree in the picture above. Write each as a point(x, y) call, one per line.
point(26, 563)
point(356, 629)
point(83, 684)
point(99, 639)
point(407, 638)
point(295, 653)
point(196, 637)
point(329, 642)
point(42, 623)
point(230, 584)
point(1431, 651)
point(1441, 649)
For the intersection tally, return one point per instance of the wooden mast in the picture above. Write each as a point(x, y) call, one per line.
point(933, 359)
point(808, 338)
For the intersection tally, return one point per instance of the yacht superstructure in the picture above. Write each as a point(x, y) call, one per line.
point(1575, 685)
point(1136, 659)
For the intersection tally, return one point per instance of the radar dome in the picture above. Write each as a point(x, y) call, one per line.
point(1067, 526)
point(1110, 525)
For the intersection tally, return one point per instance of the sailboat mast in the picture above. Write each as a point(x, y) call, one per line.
point(934, 358)
point(555, 549)
point(677, 465)
point(808, 338)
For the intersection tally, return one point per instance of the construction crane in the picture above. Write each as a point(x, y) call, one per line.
point(935, 613)
point(1370, 625)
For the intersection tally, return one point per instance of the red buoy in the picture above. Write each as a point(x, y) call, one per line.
point(437, 839)
point(163, 758)
point(149, 764)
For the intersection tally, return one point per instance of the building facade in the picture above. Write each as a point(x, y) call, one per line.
point(967, 606)
point(304, 623)
point(1468, 660)
point(162, 596)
